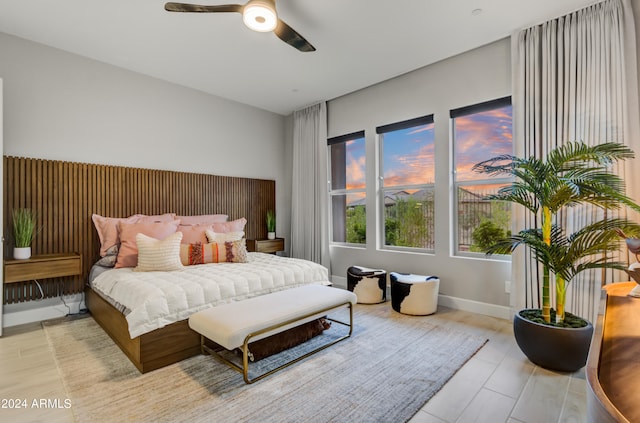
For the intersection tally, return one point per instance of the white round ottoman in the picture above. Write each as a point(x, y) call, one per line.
point(369, 285)
point(414, 294)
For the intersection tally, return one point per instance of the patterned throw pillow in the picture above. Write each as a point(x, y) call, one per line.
point(223, 252)
point(109, 260)
point(158, 255)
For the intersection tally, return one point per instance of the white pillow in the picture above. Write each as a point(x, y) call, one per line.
point(219, 237)
point(158, 255)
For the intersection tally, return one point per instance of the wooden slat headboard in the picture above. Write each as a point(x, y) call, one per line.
point(65, 195)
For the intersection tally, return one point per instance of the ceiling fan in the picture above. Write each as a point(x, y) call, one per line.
point(259, 15)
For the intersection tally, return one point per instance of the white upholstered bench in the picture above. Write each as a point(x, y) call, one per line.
point(237, 324)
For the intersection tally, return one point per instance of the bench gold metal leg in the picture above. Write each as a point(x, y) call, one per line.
point(245, 346)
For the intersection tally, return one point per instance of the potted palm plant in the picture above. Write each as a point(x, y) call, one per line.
point(570, 175)
point(24, 230)
point(271, 224)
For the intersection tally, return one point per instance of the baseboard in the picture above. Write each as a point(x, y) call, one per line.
point(493, 310)
point(339, 281)
point(38, 311)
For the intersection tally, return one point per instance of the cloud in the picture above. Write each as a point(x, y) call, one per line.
point(479, 137)
point(409, 156)
point(356, 166)
point(423, 128)
point(412, 168)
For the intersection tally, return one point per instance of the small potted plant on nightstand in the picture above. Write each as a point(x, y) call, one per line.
point(24, 230)
point(271, 224)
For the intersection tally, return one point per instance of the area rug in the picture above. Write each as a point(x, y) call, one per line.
point(385, 372)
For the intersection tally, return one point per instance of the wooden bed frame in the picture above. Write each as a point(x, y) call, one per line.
point(66, 194)
point(151, 350)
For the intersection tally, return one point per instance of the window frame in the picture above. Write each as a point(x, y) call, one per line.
point(381, 189)
point(456, 185)
point(343, 191)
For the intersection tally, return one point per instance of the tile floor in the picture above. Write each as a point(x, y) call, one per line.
point(497, 385)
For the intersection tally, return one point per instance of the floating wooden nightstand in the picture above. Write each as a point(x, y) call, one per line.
point(42, 267)
point(265, 245)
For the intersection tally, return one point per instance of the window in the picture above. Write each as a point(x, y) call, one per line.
point(480, 132)
point(348, 188)
point(407, 176)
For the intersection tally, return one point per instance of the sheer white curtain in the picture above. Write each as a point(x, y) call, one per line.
point(575, 79)
point(309, 197)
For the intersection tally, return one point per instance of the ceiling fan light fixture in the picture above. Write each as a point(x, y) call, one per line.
point(260, 15)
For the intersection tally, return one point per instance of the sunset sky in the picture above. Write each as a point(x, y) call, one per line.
point(408, 154)
point(479, 137)
point(356, 164)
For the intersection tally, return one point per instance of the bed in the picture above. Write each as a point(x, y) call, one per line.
point(145, 312)
point(67, 194)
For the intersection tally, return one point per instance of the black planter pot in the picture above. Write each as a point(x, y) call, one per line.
point(562, 349)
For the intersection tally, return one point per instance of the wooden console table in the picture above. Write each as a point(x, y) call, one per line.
point(265, 245)
point(613, 366)
point(43, 266)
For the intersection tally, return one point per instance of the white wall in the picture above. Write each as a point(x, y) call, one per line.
point(62, 106)
point(476, 76)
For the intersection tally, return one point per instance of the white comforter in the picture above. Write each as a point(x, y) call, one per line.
point(151, 300)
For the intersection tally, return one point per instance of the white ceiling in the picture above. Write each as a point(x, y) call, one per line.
point(359, 42)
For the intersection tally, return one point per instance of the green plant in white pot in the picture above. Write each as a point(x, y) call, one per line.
point(271, 224)
point(24, 230)
point(570, 175)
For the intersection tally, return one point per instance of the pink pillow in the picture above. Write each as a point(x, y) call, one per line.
point(233, 226)
point(192, 234)
point(128, 254)
point(167, 217)
point(107, 228)
point(203, 219)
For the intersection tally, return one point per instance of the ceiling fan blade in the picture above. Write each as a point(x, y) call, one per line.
point(291, 37)
point(184, 7)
